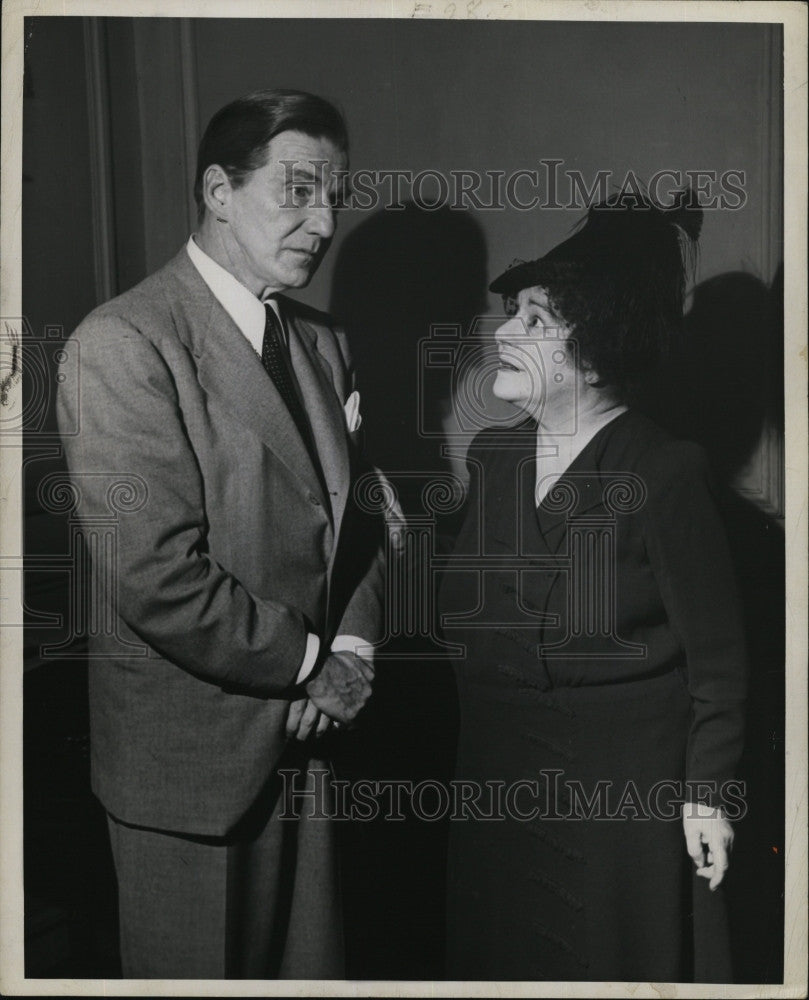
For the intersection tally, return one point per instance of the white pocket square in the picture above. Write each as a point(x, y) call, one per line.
point(352, 409)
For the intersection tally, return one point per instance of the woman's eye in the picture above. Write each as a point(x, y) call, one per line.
point(301, 192)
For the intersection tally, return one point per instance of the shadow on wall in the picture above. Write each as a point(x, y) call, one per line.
point(723, 381)
point(723, 389)
point(396, 275)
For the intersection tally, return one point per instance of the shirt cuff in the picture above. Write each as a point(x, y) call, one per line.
point(701, 810)
point(309, 657)
point(354, 644)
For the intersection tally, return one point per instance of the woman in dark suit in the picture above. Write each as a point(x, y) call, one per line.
point(603, 678)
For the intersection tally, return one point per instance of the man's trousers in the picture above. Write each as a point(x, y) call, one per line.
point(262, 903)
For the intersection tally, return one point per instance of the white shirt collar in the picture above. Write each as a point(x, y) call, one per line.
point(246, 311)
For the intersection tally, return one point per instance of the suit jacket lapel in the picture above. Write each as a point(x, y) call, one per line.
point(323, 408)
point(230, 369)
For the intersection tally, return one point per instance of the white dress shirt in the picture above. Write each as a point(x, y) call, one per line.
point(247, 312)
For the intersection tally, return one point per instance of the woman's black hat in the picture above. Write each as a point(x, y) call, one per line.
point(627, 234)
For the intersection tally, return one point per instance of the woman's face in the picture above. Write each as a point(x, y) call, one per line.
point(536, 369)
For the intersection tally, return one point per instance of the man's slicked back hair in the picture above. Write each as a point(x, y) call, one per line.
point(238, 134)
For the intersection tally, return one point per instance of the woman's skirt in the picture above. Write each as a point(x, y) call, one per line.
point(567, 856)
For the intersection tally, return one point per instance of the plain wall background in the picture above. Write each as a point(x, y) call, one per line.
point(448, 95)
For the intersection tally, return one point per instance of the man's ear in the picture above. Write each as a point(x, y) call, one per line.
point(216, 192)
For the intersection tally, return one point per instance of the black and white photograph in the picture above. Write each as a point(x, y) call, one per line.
point(403, 509)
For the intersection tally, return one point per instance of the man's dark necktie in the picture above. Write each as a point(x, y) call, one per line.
point(276, 360)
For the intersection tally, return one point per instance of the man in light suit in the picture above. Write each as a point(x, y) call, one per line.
point(247, 578)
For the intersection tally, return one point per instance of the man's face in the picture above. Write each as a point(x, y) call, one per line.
point(282, 219)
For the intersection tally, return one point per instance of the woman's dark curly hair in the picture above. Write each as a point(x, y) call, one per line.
point(618, 283)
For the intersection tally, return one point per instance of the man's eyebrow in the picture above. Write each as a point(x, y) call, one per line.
point(306, 173)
